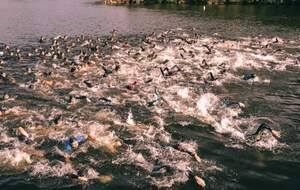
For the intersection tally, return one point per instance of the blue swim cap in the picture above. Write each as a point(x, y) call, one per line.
point(248, 76)
point(80, 138)
point(69, 145)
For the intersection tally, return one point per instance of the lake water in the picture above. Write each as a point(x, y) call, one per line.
point(192, 114)
point(24, 20)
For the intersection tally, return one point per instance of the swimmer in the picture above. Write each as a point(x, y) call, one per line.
point(248, 76)
point(182, 56)
point(88, 83)
point(152, 103)
point(208, 48)
point(169, 72)
point(2, 111)
point(113, 35)
point(263, 127)
point(106, 71)
point(72, 100)
point(200, 182)
point(148, 80)
point(204, 64)
point(165, 61)
point(193, 153)
point(42, 39)
point(23, 132)
point(228, 102)
point(212, 78)
point(74, 142)
point(5, 96)
point(131, 86)
point(152, 56)
point(298, 60)
point(105, 100)
point(57, 120)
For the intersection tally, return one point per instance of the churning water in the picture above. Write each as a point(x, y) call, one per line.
point(174, 92)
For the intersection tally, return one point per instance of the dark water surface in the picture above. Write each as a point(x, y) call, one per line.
point(24, 20)
point(244, 165)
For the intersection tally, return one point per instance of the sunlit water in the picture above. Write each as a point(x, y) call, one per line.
point(147, 125)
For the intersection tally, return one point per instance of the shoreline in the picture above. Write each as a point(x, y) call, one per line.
point(201, 2)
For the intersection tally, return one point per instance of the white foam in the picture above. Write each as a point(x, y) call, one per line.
point(183, 92)
point(188, 146)
point(206, 103)
point(59, 169)
point(227, 126)
point(14, 158)
point(130, 120)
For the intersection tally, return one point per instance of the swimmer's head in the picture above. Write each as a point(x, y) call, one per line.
point(75, 144)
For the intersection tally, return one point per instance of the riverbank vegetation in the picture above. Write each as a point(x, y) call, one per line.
point(281, 2)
